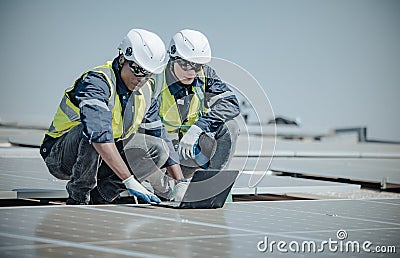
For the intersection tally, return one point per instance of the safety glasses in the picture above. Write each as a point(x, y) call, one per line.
point(186, 65)
point(137, 70)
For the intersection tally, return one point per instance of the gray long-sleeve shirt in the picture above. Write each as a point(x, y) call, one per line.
point(221, 107)
point(97, 120)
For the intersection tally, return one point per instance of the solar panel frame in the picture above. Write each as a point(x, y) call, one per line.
point(368, 170)
point(270, 184)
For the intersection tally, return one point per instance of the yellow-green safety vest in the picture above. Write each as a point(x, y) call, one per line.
point(169, 113)
point(68, 115)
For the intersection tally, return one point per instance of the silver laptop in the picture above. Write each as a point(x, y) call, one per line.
point(208, 189)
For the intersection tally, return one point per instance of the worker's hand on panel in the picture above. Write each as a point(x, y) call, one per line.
point(136, 189)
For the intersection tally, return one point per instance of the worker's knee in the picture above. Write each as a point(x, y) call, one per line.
point(157, 149)
point(232, 128)
point(228, 133)
point(161, 152)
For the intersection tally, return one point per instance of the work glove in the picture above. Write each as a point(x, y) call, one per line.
point(136, 189)
point(188, 141)
point(200, 159)
point(180, 190)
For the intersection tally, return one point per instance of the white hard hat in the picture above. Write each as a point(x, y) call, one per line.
point(190, 45)
point(145, 48)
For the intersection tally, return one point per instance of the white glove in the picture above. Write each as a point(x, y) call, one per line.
point(186, 146)
point(136, 189)
point(180, 190)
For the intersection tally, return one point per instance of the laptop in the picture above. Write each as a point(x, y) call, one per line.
point(208, 189)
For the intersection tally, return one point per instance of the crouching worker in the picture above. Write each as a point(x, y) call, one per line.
point(196, 107)
point(104, 107)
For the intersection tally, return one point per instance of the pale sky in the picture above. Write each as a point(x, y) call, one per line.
point(331, 63)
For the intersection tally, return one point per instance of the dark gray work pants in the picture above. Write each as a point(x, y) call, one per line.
point(73, 158)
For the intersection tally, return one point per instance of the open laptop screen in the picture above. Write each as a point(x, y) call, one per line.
point(209, 189)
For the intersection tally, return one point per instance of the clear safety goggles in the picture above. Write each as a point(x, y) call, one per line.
point(186, 65)
point(137, 70)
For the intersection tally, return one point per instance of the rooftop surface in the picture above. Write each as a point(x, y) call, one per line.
point(346, 219)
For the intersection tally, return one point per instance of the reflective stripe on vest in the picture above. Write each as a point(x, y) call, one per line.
point(218, 97)
point(68, 115)
point(169, 113)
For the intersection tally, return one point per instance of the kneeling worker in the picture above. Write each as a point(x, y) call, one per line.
point(105, 106)
point(196, 107)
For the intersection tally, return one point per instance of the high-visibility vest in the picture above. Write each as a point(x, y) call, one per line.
point(68, 115)
point(169, 113)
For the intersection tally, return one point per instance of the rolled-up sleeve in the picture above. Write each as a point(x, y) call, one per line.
point(220, 100)
point(92, 94)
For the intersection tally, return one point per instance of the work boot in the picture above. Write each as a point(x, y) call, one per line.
point(96, 198)
point(71, 201)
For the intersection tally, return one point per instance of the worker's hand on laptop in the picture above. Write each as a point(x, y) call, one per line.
point(186, 145)
point(136, 189)
point(180, 189)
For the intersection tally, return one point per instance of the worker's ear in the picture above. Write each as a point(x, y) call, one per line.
point(121, 60)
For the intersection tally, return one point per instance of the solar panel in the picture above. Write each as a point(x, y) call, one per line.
point(233, 231)
point(254, 146)
point(263, 147)
point(28, 140)
point(19, 152)
point(270, 184)
point(28, 178)
point(284, 130)
point(372, 170)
